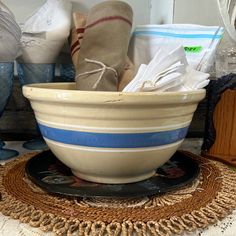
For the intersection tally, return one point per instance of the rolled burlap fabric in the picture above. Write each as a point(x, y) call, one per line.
point(80, 19)
point(103, 52)
point(74, 46)
point(76, 36)
point(128, 74)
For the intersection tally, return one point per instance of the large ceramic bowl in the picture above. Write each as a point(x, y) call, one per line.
point(112, 137)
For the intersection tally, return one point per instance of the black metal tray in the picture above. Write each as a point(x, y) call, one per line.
point(46, 171)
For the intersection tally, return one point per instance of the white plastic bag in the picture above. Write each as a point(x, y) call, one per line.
point(199, 42)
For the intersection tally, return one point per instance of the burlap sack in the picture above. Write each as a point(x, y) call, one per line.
point(105, 45)
point(79, 19)
point(74, 46)
point(128, 74)
point(76, 35)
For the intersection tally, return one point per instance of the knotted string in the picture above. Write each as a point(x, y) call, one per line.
point(102, 70)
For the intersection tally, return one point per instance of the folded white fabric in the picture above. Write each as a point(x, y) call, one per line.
point(4, 8)
point(10, 35)
point(167, 72)
point(45, 32)
point(199, 42)
point(192, 80)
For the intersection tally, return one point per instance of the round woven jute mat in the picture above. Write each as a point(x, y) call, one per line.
point(211, 197)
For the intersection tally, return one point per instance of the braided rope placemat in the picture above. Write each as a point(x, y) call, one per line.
point(210, 198)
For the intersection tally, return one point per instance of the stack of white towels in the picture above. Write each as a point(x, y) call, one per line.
point(167, 71)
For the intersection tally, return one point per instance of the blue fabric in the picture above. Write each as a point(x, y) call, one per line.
point(113, 140)
point(30, 73)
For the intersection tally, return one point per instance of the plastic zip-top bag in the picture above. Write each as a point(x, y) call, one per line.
point(200, 43)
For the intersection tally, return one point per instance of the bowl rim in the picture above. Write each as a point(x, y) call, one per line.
point(66, 92)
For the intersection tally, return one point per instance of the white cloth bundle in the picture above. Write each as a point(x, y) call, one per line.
point(4, 8)
point(45, 32)
point(10, 35)
point(167, 72)
point(199, 42)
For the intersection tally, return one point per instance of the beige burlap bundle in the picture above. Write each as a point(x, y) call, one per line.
point(103, 52)
point(74, 47)
point(76, 35)
point(128, 74)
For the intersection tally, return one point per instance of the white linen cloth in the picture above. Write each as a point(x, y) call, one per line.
point(167, 71)
point(10, 35)
point(200, 43)
point(45, 32)
point(4, 8)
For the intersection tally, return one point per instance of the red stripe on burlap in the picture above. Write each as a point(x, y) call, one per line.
point(76, 43)
point(109, 18)
point(74, 46)
point(80, 30)
point(76, 50)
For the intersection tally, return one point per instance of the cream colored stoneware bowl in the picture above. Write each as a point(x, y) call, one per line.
point(111, 137)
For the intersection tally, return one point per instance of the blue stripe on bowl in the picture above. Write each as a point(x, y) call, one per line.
point(113, 140)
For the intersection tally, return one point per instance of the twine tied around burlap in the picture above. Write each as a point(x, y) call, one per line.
point(102, 70)
point(106, 39)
